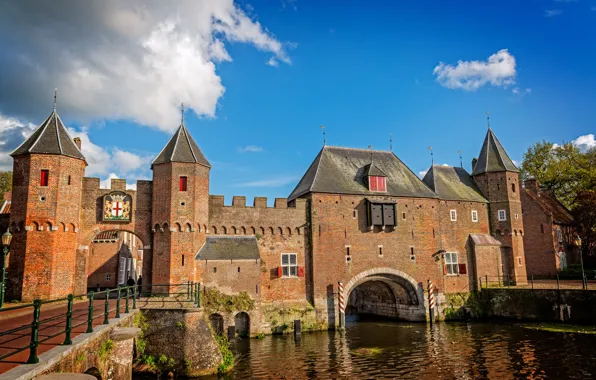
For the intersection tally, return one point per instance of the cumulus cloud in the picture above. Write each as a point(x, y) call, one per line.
point(422, 173)
point(130, 59)
point(499, 70)
point(552, 12)
point(521, 92)
point(251, 149)
point(585, 142)
point(104, 163)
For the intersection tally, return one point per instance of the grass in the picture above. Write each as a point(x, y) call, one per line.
point(562, 328)
point(368, 351)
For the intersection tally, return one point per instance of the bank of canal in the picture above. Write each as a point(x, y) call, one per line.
point(415, 351)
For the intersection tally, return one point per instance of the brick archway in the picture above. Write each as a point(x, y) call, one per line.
point(413, 308)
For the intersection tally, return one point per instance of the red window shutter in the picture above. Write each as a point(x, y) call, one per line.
point(182, 183)
point(462, 269)
point(445, 269)
point(382, 183)
point(44, 177)
point(300, 271)
point(279, 271)
point(372, 183)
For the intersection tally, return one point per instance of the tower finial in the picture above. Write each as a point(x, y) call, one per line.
point(488, 119)
point(461, 163)
point(324, 135)
point(432, 158)
point(182, 113)
point(390, 142)
point(55, 97)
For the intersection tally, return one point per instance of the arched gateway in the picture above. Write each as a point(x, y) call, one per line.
point(386, 292)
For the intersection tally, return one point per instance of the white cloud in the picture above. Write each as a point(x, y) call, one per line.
point(12, 133)
point(131, 59)
point(585, 142)
point(422, 173)
point(445, 164)
point(107, 183)
point(521, 92)
point(273, 62)
point(515, 162)
point(552, 12)
point(251, 149)
point(499, 70)
point(271, 182)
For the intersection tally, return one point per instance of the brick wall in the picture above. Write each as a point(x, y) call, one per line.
point(231, 276)
point(538, 239)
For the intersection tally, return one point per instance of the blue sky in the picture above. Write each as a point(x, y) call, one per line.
point(362, 69)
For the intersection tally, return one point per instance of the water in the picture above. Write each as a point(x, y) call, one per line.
point(415, 351)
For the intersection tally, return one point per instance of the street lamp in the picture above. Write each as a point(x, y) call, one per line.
point(6, 239)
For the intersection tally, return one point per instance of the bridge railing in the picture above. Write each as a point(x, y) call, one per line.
point(559, 281)
point(81, 310)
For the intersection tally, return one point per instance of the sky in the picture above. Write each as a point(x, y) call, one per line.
point(260, 78)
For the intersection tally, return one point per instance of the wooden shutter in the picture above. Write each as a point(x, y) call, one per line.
point(372, 183)
point(382, 184)
point(300, 271)
point(43, 180)
point(389, 215)
point(182, 183)
point(445, 269)
point(462, 269)
point(279, 272)
point(376, 214)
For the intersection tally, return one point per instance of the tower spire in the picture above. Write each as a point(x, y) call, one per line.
point(324, 135)
point(390, 143)
point(55, 97)
point(182, 113)
point(487, 119)
point(461, 163)
point(432, 158)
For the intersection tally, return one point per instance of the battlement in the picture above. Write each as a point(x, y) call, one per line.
point(258, 202)
point(116, 184)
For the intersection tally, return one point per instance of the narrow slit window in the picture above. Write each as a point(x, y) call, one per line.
point(238, 269)
point(380, 251)
point(44, 178)
point(453, 215)
point(68, 181)
point(182, 260)
point(214, 269)
point(474, 216)
point(183, 183)
point(403, 215)
point(513, 187)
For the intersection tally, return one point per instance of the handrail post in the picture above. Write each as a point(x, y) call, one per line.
point(106, 312)
point(134, 297)
point(558, 285)
point(192, 291)
point(90, 316)
point(188, 289)
point(118, 303)
point(126, 311)
point(199, 294)
point(67, 339)
point(33, 359)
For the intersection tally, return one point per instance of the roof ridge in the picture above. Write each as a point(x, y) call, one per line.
point(316, 170)
point(58, 132)
point(68, 135)
point(186, 134)
point(359, 149)
point(176, 143)
point(43, 130)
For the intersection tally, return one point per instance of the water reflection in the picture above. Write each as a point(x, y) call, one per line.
point(416, 351)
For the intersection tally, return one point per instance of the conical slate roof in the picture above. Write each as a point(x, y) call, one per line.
point(493, 157)
point(50, 138)
point(181, 148)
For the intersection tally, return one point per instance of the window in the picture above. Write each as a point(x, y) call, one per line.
point(516, 216)
point(214, 269)
point(68, 181)
point(44, 178)
point(381, 214)
point(376, 183)
point(451, 267)
point(380, 250)
point(289, 264)
point(403, 216)
point(108, 277)
point(474, 216)
point(183, 181)
point(559, 235)
point(453, 214)
point(513, 187)
point(502, 216)
point(182, 260)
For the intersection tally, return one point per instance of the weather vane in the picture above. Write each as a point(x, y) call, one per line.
point(182, 113)
point(324, 135)
point(55, 97)
point(432, 158)
point(461, 163)
point(390, 143)
point(487, 119)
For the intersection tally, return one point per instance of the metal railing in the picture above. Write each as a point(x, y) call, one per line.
point(571, 282)
point(43, 330)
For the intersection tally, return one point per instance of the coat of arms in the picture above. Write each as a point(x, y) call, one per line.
point(117, 207)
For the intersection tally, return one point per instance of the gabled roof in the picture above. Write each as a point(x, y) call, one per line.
point(50, 138)
point(453, 184)
point(229, 248)
point(493, 157)
point(549, 203)
point(181, 148)
point(338, 170)
point(373, 170)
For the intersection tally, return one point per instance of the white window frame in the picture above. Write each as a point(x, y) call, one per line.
point(502, 215)
point(452, 264)
point(108, 277)
point(475, 216)
point(453, 215)
point(288, 267)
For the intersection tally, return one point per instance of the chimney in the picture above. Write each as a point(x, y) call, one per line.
point(77, 141)
point(474, 161)
point(531, 184)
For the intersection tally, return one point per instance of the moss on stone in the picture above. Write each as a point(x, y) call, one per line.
point(562, 328)
point(214, 300)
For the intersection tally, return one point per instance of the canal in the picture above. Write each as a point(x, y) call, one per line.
point(374, 350)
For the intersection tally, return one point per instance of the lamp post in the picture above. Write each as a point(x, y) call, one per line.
point(6, 239)
point(578, 242)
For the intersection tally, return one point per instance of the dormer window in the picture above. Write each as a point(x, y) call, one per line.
point(377, 183)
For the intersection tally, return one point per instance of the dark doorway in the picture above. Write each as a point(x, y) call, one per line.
point(242, 322)
point(217, 323)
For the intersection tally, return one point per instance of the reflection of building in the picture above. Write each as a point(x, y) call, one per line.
point(114, 257)
point(550, 232)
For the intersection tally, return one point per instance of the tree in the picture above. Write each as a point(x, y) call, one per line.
point(584, 213)
point(5, 183)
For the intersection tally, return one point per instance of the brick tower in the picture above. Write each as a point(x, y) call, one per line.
point(498, 178)
point(46, 200)
point(180, 208)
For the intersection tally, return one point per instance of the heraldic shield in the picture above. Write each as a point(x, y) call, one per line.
point(117, 207)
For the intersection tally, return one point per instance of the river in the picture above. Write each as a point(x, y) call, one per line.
point(375, 350)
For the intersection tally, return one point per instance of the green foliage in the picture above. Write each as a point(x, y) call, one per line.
point(140, 321)
point(180, 324)
point(5, 183)
point(80, 358)
point(260, 336)
point(584, 213)
point(227, 355)
point(105, 349)
point(214, 300)
point(565, 328)
point(258, 236)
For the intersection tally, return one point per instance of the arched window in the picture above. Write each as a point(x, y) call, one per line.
point(515, 232)
point(289, 231)
point(280, 231)
point(253, 231)
point(513, 187)
point(178, 227)
point(507, 232)
point(48, 226)
point(205, 229)
point(297, 230)
point(271, 231)
point(224, 230)
point(166, 227)
point(62, 227)
point(199, 228)
point(243, 230)
point(541, 228)
point(234, 231)
point(156, 227)
point(73, 228)
point(35, 226)
point(261, 231)
point(214, 230)
point(188, 228)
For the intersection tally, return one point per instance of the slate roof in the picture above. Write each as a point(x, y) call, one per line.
point(552, 206)
point(484, 239)
point(453, 184)
point(181, 148)
point(222, 247)
point(493, 157)
point(338, 170)
point(50, 138)
point(373, 170)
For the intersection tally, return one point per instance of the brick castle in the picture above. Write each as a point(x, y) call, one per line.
point(360, 217)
